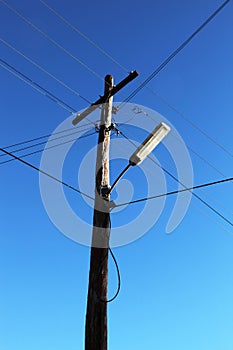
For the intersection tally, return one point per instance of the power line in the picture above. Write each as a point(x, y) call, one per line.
point(44, 142)
point(183, 190)
point(45, 136)
point(174, 53)
point(105, 53)
point(64, 104)
point(168, 164)
point(44, 70)
point(45, 173)
point(140, 110)
point(36, 86)
point(50, 39)
point(185, 187)
point(181, 115)
point(52, 97)
point(176, 192)
point(47, 148)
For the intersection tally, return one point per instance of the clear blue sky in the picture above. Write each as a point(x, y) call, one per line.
point(176, 289)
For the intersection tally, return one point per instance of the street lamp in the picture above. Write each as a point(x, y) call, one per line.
point(145, 148)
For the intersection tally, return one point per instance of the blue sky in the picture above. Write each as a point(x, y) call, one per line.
point(176, 289)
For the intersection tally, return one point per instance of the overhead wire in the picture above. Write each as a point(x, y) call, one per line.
point(45, 173)
point(197, 207)
point(92, 42)
point(44, 136)
point(207, 184)
point(44, 149)
point(211, 218)
point(178, 181)
point(104, 52)
point(175, 52)
point(189, 121)
point(44, 70)
point(140, 110)
point(154, 73)
point(50, 95)
point(169, 166)
point(36, 86)
point(44, 142)
point(48, 37)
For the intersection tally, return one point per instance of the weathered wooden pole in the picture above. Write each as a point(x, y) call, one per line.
point(96, 313)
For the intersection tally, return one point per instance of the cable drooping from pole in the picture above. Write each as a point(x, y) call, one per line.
point(117, 270)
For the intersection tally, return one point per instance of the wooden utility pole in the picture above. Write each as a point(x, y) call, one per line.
point(96, 314)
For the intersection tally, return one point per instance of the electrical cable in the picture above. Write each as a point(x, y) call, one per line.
point(44, 142)
point(50, 39)
point(174, 53)
point(47, 148)
point(118, 277)
point(45, 173)
point(44, 70)
point(117, 270)
point(36, 86)
point(110, 57)
point(176, 191)
point(211, 198)
point(72, 90)
point(211, 218)
point(44, 136)
point(46, 91)
point(140, 110)
point(174, 178)
point(178, 48)
point(105, 53)
point(187, 120)
point(119, 177)
point(72, 110)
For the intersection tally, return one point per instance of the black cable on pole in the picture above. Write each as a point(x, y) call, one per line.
point(117, 269)
point(118, 277)
point(45, 173)
point(174, 53)
point(118, 178)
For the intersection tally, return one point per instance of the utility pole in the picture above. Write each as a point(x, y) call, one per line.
point(96, 335)
point(96, 314)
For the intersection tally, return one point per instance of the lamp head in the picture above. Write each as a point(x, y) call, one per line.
point(149, 144)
